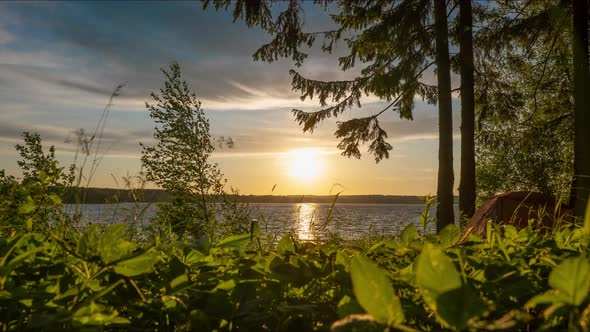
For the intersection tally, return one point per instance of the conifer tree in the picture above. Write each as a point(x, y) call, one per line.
point(393, 42)
point(467, 193)
point(444, 212)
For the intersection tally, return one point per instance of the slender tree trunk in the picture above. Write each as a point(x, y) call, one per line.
point(581, 183)
point(467, 182)
point(444, 213)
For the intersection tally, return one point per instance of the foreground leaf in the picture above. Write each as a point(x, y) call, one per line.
point(144, 263)
point(571, 278)
point(443, 291)
point(234, 241)
point(374, 291)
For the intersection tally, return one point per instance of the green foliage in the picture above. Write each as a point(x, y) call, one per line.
point(440, 284)
point(389, 42)
point(517, 280)
point(35, 202)
point(179, 162)
point(374, 292)
point(524, 95)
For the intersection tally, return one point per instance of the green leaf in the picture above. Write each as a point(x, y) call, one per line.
point(43, 177)
point(6, 269)
point(234, 241)
point(141, 264)
point(409, 234)
point(572, 279)
point(226, 285)
point(112, 246)
point(442, 289)
point(449, 236)
point(192, 257)
point(286, 245)
point(435, 274)
point(549, 297)
point(55, 199)
point(27, 207)
point(88, 242)
point(458, 306)
point(179, 281)
point(374, 291)
point(385, 245)
point(343, 260)
point(97, 314)
point(510, 232)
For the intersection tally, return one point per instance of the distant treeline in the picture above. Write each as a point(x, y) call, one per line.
point(109, 195)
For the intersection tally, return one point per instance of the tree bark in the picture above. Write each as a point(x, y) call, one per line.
point(581, 183)
point(467, 182)
point(444, 213)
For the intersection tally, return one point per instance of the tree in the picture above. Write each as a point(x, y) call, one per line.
point(34, 202)
point(467, 192)
point(179, 162)
point(444, 213)
point(34, 160)
point(393, 42)
point(524, 97)
point(581, 183)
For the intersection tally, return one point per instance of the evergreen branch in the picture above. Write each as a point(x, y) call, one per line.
point(362, 130)
point(336, 89)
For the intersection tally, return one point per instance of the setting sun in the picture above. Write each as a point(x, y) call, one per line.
point(305, 164)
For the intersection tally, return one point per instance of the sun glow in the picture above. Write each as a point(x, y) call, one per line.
point(305, 164)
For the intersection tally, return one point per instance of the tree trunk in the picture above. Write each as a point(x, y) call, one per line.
point(444, 213)
point(581, 183)
point(467, 182)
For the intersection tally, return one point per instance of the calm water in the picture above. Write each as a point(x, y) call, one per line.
point(307, 220)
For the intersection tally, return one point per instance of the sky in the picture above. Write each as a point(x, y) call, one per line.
point(60, 62)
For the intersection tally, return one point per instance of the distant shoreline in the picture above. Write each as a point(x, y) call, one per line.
point(109, 195)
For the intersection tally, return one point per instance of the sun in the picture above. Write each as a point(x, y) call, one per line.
point(305, 164)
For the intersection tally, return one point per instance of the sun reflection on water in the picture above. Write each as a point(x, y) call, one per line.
point(305, 221)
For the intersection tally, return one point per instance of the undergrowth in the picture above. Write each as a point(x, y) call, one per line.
point(102, 280)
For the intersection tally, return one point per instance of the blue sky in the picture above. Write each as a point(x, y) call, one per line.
point(60, 61)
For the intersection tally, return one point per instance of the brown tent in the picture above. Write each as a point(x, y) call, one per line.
point(517, 208)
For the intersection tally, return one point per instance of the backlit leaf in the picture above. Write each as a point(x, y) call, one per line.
point(443, 291)
point(234, 241)
point(112, 246)
point(572, 279)
point(374, 291)
point(409, 234)
point(141, 264)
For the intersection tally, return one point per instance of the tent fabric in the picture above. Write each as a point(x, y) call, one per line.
point(518, 208)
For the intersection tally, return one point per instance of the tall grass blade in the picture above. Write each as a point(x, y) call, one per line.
point(586, 226)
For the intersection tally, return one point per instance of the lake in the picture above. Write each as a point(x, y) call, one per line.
point(306, 220)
